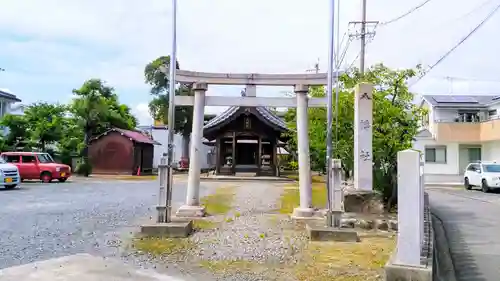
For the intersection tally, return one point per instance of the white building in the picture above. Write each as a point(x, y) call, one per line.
point(17, 109)
point(7, 101)
point(160, 134)
point(459, 130)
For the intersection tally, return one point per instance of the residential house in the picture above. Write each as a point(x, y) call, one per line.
point(7, 101)
point(17, 109)
point(458, 130)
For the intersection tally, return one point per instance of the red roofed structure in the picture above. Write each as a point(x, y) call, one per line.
point(120, 151)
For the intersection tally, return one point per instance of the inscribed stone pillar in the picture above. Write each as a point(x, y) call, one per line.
point(305, 189)
point(192, 207)
point(410, 209)
point(363, 117)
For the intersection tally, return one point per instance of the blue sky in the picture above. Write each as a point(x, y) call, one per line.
point(50, 47)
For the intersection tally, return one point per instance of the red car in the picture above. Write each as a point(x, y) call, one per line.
point(37, 166)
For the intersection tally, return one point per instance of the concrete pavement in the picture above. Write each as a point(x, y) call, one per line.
point(81, 267)
point(472, 224)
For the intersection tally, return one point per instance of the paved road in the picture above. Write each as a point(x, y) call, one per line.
point(42, 221)
point(472, 223)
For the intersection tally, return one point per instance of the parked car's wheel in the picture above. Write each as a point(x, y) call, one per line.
point(62, 179)
point(46, 177)
point(466, 184)
point(10, 186)
point(484, 186)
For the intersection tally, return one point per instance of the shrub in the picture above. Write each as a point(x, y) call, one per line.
point(84, 169)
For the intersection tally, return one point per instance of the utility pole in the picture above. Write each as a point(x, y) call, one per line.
point(165, 211)
point(364, 32)
point(363, 38)
point(315, 68)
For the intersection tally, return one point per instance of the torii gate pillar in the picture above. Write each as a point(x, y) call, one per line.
point(305, 187)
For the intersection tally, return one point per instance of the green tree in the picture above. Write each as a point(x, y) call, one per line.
point(96, 109)
point(45, 123)
point(158, 107)
point(71, 141)
point(18, 135)
point(395, 124)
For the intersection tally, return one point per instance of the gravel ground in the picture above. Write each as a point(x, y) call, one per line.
point(43, 221)
point(251, 234)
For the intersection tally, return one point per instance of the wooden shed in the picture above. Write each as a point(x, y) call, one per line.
point(119, 151)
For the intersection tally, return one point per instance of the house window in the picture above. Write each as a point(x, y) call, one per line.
point(436, 154)
point(468, 117)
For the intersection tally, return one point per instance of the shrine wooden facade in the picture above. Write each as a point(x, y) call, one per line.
point(246, 140)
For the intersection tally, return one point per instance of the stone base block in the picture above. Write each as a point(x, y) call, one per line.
point(365, 202)
point(303, 213)
point(186, 211)
point(178, 229)
point(395, 272)
point(324, 233)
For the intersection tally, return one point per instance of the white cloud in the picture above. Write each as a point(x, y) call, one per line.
point(141, 111)
point(75, 40)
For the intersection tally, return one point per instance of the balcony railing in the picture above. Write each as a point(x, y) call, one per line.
point(471, 130)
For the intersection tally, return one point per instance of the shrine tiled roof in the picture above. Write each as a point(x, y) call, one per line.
point(267, 116)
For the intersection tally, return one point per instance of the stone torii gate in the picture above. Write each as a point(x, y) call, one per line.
point(301, 84)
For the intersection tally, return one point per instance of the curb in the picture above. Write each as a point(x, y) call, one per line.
point(444, 184)
point(444, 269)
point(247, 179)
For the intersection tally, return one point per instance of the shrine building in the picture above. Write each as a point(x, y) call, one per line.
point(246, 140)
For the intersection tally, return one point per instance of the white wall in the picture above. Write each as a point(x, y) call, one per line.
point(8, 107)
point(432, 120)
point(16, 109)
point(161, 135)
point(491, 151)
point(452, 161)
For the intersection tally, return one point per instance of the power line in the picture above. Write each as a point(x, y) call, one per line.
point(342, 56)
point(460, 17)
point(340, 44)
point(480, 6)
point(458, 44)
point(409, 12)
point(358, 55)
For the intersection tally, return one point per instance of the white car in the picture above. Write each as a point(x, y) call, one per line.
point(9, 175)
point(482, 174)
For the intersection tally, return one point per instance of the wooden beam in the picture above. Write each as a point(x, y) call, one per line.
point(259, 155)
point(233, 166)
point(275, 158)
point(249, 101)
point(311, 79)
point(218, 153)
